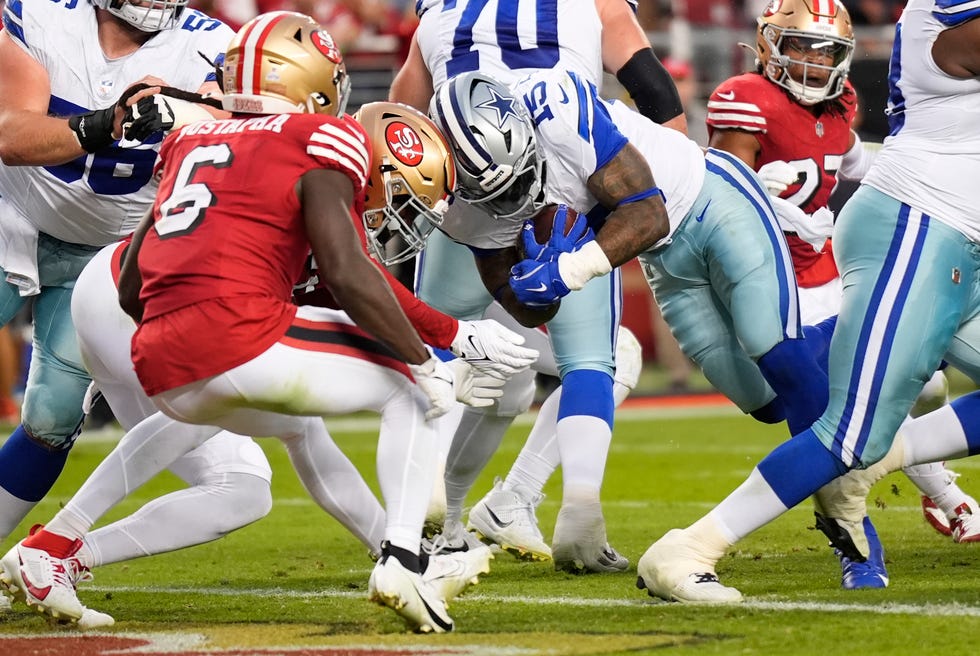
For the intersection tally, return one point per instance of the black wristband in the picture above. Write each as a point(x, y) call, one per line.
point(94, 129)
point(650, 86)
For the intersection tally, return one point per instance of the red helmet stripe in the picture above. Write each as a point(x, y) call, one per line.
point(823, 11)
point(249, 61)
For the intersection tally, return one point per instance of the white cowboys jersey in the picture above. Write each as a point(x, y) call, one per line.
point(99, 197)
point(578, 133)
point(506, 39)
point(931, 116)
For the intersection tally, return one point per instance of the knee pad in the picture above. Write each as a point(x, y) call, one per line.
point(518, 395)
point(629, 358)
point(629, 364)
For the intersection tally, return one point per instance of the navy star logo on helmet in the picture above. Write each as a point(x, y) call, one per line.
point(502, 105)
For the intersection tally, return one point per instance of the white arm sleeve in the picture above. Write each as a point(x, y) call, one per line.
point(858, 159)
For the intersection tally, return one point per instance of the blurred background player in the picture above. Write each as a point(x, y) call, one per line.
point(586, 36)
point(791, 120)
point(69, 186)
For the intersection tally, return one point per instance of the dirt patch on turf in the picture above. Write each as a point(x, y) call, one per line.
point(308, 640)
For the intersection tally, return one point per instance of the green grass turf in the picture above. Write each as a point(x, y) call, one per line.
point(296, 578)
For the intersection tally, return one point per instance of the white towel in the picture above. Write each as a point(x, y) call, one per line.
point(18, 250)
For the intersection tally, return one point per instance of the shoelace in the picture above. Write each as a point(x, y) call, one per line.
point(60, 576)
point(77, 572)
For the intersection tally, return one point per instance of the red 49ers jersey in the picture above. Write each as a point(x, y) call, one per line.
point(788, 131)
point(228, 239)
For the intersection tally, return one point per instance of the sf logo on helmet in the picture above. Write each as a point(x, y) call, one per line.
point(323, 42)
point(404, 143)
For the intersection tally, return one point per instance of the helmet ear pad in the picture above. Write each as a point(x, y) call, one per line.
point(293, 66)
point(410, 183)
point(492, 136)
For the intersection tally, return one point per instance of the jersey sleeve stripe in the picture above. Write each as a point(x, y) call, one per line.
point(345, 164)
point(344, 142)
point(13, 20)
point(954, 12)
point(735, 106)
point(734, 120)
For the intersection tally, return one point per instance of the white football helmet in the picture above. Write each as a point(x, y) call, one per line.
point(146, 15)
point(412, 175)
point(284, 62)
point(492, 137)
point(793, 32)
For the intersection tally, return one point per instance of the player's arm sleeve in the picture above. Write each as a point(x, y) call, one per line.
point(626, 52)
point(650, 86)
point(858, 159)
point(434, 327)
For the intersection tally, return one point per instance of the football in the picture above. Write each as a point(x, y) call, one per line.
point(545, 219)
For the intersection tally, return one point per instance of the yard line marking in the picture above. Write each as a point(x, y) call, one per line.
point(931, 610)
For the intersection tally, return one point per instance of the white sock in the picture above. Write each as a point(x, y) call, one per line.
point(12, 511)
point(406, 466)
point(583, 442)
point(539, 457)
point(753, 504)
point(934, 437)
point(931, 478)
point(476, 440)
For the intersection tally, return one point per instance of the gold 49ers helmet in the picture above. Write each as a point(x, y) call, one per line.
point(284, 62)
point(412, 177)
point(801, 32)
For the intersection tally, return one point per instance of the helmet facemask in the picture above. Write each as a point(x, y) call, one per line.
point(412, 175)
point(145, 15)
point(793, 48)
point(811, 38)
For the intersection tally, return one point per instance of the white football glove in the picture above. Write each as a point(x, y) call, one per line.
point(491, 348)
point(435, 379)
point(778, 176)
point(473, 387)
point(815, 229)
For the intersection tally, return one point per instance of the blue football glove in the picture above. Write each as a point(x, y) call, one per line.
point(579, 235)
point(537, 284)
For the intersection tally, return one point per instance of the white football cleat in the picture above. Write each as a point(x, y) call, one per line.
point(506, 518)
point(451, 573)
point(93, 619)
point(452, 538)
point(673, 568)
point(580, 544)
point(404, 591)
point(965, 527)
point(935, 517)
point(47, 583)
